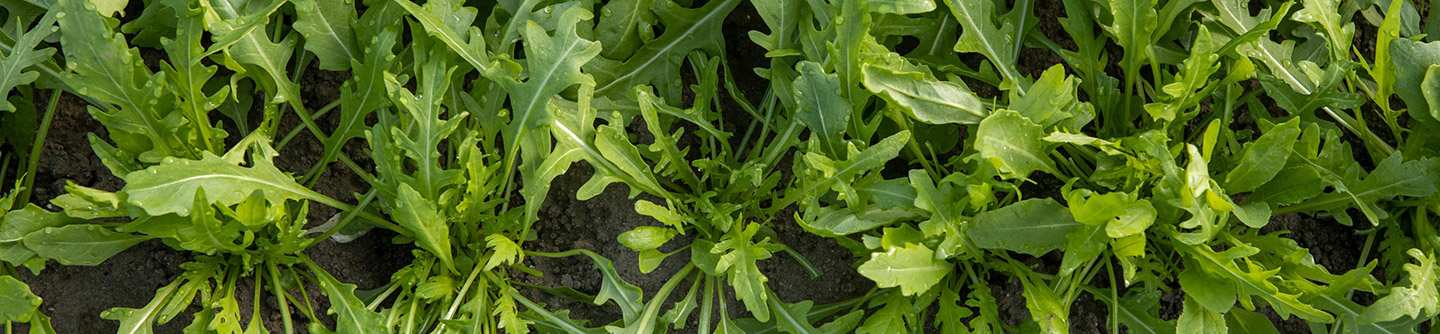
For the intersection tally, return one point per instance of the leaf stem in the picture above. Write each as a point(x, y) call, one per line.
point(296, 130)
point(28, 180)
point(280, 298)
point(349, 216)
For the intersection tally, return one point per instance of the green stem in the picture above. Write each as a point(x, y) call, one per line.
point(309, 309)
point(296, 130)
point(474, 272)
point(538, 310)
point(653, 309)
point(1114, 297)
point(809, 267)
point(349, 216)
point(708, 307)
point(28, 180)
point(569, 253)
point(280, 298)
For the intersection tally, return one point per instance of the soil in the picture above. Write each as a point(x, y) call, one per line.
point(75, 296)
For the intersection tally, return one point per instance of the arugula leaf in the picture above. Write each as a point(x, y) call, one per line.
point(1044, 222)
point(1012, 143)
point(1392, 177)
point(930, 101)
point(820, 108)
point(686, 30)
point(15, 67)
point(914, 268)
point(554, 63)
point(326, 25)
point(1419, 60)
point(1418, 300)
point(431, 230)
point(17, 303)
point(1198, 320)
point(1249, 281)
point(422, 143)
point(981, 35)
point(1258, 164)
point(227, 183)
point(105, 67)
point(79, 245)
point(350, 313)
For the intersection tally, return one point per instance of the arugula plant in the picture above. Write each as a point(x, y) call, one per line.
point(918, 134)
point(1142, 194)
point(242, 217)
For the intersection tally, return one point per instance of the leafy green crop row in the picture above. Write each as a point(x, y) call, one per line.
point(914, 133)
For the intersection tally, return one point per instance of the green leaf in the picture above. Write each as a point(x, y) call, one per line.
point(889, 319)
point(1258, 165)
point(840, 175)
point(1013, 144)
point(15, 67)
point(834, 222)
point(615, 147)
point(1195, 319)
point(1139, 311)
point(1133, 23)
point(17, 303)
point(205, 233)
point(1051, 99)
point(326, 25)
point(1418, 300)
point(104, 67)
point(554, 64)
point(646, 237)
point(422, 143)
point(1200, 285)
point(686, 30)
point(506, 251)
point(1392, 177)
point(930, 101)
point(430, 228)
point(744, 273)
point(901, 6)
point(365, 92)
point(1043, 222)
point(792, 318)
point(1188, 87)
point(16, 224)
point(1245, 321)
point(188, 76)
point(1326, 14)
point(820, 108)
point(679, 313)
point(981, 35)
point(154, 189)
point(351, 315)
point(80, 245)
point(1042, 301)
point(621, 25)
point(912, 267)
point(142, 320)
point(627, 296)
point(109, 7)
point(1250, 280)
point(660, 213)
